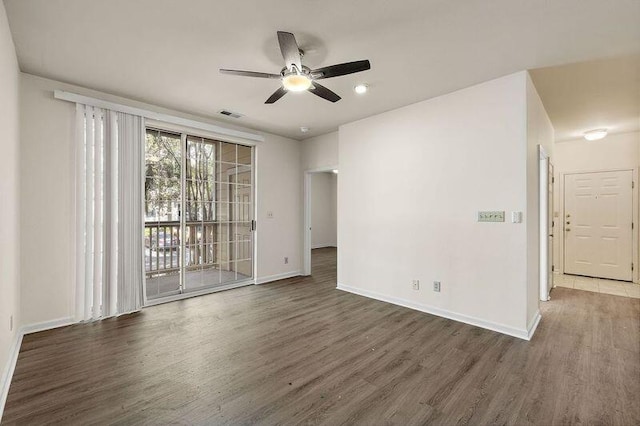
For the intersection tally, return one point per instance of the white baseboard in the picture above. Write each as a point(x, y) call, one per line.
point(533, 325)
point(46, 325)
point(9, 368)
point(7, 374)
point(500, 328)
point(276, 277)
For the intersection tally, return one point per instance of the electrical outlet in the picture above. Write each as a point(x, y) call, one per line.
point(286, 260)
point(416, 284)
point(436, 286)
point(269, 215)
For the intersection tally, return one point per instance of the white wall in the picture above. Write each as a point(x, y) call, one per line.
point(47, 280)
point(323, 210)
point(616, 151)
point(320, 152)
point(621, 150)
point(411, 183)
point(280, 190)
point(9, 194)
point(539, 132)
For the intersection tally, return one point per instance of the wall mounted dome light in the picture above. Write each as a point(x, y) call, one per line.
point(594, 135)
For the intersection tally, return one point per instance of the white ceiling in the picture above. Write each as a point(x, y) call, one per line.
point(591, 95)
point(168, 52)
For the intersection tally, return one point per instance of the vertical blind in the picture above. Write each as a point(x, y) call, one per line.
point(109, 212)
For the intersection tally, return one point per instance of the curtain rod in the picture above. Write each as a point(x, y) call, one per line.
point(167, 118)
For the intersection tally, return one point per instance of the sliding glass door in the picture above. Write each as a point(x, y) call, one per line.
point(199, 214)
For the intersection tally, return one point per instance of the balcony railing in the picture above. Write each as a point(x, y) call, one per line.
point(162, 243)
point(206, 244)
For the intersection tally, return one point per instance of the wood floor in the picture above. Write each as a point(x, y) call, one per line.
point(300, 351)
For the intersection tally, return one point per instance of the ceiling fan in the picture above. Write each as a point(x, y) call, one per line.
point(296, 77)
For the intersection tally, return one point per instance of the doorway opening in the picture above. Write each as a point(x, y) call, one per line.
point(595, 206)
point(320, 216)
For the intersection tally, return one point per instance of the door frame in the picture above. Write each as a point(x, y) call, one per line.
point(635, 236)
point(543, 226)
point(306, 230)
point(185, 130)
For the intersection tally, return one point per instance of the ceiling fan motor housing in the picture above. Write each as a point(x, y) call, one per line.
point(305, 71)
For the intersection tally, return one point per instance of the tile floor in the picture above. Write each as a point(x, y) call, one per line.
point(597, 285)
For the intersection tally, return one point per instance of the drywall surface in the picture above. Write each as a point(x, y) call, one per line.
point(411, 183)
point(615, 152)
point(280, 191)
point(619, 150)
point(320, 152)
point(9, 193)
point(47, 171)
point(323, 210)
point(539, 133)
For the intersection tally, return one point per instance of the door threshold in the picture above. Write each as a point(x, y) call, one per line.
point(598, 278)
point(195, 293)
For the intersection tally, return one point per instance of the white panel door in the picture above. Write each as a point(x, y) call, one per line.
point(598, 224)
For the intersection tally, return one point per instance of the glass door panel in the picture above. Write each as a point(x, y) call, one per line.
point(163, 162)
point(244, 155)
point(200, 190)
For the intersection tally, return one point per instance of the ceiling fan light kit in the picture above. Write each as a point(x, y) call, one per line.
point(295, 77)
point(294, 82)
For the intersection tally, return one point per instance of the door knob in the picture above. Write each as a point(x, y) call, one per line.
point(568, 223)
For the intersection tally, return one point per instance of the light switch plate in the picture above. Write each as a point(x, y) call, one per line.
point(516, 217)
point(491, 216)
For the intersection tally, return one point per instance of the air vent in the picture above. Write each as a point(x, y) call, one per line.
point(230, 114)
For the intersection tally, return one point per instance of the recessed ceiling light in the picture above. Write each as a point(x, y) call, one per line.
point(361, 88)
point(304, 129)
point(594, 135)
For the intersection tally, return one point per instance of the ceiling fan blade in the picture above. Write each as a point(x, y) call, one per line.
point(323, 92)
point(276, 95)
point(290, 50)
point(249, 73)
point(340, 69)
